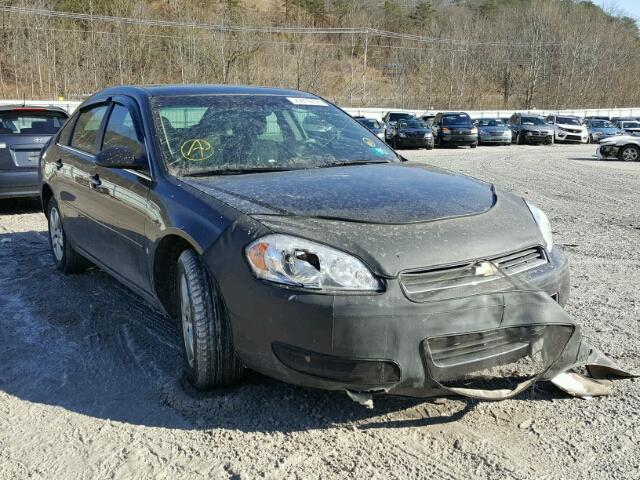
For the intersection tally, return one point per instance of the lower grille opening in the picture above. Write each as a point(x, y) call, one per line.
point(330, 367)
point(495, 359)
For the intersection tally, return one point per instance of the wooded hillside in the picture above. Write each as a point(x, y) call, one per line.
point(421, 54)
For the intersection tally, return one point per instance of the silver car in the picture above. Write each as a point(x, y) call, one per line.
point(23, 133)
point(494, 131)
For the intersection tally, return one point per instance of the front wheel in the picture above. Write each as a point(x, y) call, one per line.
point(629, 153)
point(67, 260)
point(474, 145)
point(209, 357)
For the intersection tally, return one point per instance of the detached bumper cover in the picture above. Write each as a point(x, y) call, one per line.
point(607, 151)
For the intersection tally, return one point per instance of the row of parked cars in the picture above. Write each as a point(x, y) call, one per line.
point(404, 130)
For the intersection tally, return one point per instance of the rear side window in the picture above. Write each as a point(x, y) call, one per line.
point(31, 122)
point(85, 133)
point(121, 131)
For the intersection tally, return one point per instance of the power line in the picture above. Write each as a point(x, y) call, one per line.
point(257, 29)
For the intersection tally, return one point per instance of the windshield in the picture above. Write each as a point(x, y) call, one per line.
point(413, 123)
point(394, 117)
point(370, 123)
point(601, 124)
point(456, 119)
point(532, 121)
point(30, 122)
point(568, 120)
point(630, 124)
point(491, 122)
point(209, 134)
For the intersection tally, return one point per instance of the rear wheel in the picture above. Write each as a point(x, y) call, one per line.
point(209, 358)
point(629, 153)
point(65, 257)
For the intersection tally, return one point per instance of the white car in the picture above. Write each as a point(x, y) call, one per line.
point(624, 147)
point(568, 129)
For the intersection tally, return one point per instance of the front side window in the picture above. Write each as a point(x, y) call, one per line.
point(213, 134)
point(121, 131)
point(28, 121)
point(85, 133)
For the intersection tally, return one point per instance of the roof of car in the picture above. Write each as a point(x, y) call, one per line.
point(173, 90)
point(32, 108)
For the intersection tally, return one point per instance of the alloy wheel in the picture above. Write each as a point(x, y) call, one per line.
point(187, 320)
point(630, 154)
point(57, 236)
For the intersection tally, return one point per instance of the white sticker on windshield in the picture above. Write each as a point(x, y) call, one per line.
point(307, 101)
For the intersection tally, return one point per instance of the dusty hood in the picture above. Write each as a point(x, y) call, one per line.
point(390, 194)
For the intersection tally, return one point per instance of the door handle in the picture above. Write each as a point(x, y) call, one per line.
point(58, 164)
point(94, 180)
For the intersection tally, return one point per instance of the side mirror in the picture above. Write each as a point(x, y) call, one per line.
point(117, 157)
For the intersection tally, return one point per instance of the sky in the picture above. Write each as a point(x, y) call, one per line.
point(628, 7)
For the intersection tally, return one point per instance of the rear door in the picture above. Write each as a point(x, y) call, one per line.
point(23, 133)
point(119, 199)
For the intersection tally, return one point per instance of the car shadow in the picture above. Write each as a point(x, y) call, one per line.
point(87, 344)
point(15, 206)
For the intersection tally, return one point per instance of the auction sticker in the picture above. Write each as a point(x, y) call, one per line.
point(196, 150)
point(307, 101)
point(368, 142)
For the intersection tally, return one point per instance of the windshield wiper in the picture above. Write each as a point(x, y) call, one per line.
point(235, 171)
point(346, 164)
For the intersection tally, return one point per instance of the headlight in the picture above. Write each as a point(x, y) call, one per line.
point(402, 135)
point(428, 135)
point(445, 130)
point(299, 262)
point(474, 130)
point(507, 133)
point(543, 224)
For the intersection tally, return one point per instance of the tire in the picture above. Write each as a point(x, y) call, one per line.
point(66, 259)
point(629, 153)
point(429, 147)
point(474, 145)
point(207, 342)
point(519, 139)
point(549, 141)
point(590, 139)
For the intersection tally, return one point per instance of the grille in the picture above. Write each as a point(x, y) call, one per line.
point(436, 283)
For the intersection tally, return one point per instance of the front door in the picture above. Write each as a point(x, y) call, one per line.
point(120, 206)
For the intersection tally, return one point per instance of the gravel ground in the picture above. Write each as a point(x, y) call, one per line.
point(90, 385)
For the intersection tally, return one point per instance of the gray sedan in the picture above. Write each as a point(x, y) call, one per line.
point(493, 130)
point(23, 133)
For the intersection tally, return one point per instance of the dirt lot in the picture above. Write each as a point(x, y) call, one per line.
point(90, 385)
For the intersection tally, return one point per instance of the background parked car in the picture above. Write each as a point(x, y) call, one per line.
point(23, 133)
point(411, 132)
point(428, 119)
point(630, 127)
point(527, 128)
point(568, 129)
point(493, 130)
point(390, 119)
point(454, 128)
point(599, 129)
point(374, 125)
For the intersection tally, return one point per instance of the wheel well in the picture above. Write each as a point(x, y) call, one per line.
point(45, 196)
point(165, 264)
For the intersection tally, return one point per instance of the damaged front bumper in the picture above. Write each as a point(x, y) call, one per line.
point(606, 152)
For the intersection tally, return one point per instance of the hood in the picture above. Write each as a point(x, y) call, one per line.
point(612, 130)
point(571, 127)
point(501, 128)
point(538, 128)
point(422, 130)
point(620, 140)
point(389, 193)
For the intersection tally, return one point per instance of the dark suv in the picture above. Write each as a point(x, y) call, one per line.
point(23, 133)
point(454, 128)
point(530, 128)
